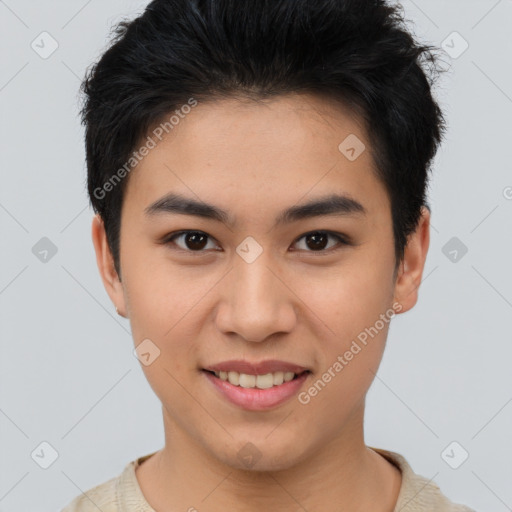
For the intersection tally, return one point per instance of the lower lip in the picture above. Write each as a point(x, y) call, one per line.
point(255, 399)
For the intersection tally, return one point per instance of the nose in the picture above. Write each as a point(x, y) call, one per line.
point(257, 301)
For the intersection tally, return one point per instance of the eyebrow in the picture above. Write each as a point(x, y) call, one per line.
point(333, 204)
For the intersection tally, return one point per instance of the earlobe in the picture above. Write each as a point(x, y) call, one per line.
point(106, 267)
point(411, 268)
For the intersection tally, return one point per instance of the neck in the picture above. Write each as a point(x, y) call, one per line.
point(344, 471)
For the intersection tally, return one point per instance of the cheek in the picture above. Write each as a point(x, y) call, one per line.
point(348, 298)
point(348, 370)
point(352, 308)
point(160, 295)
point(161, 303)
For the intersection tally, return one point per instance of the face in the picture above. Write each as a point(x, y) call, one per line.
point(312, 289)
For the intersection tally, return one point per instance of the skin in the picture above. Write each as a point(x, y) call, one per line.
point(254, 160)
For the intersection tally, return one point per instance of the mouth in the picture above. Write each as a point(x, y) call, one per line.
point(256, 392)
point(250, 381)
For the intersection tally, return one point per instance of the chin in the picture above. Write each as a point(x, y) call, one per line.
point(260, 454)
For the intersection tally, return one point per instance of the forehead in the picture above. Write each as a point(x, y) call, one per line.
point(257, 155)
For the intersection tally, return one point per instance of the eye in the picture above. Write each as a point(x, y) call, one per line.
point(316, 241)
point(194, 241)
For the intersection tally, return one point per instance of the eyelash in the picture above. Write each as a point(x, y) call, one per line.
point(343, 241)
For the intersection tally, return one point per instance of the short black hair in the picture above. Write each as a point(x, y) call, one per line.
point(355, 52)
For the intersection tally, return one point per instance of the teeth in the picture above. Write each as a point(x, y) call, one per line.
point(265, 381)
point(245, 380)
point(278, 378)
point(234, 378)
point(288, 376)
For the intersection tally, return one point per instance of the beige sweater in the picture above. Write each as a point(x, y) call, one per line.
point(123, 494)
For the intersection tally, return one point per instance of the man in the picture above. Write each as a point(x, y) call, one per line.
point(259, 171)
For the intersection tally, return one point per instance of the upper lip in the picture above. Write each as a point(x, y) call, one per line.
point(256, 368)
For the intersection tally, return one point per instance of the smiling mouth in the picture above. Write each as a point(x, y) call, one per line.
point(248, 381)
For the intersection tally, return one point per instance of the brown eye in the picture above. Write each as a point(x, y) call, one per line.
point(317, 241)
point(193, 241)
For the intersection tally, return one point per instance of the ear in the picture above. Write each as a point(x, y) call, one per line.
point(105, 263)
point(411, 268)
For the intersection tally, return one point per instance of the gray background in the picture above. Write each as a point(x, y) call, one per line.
point(68, 375)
